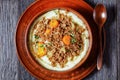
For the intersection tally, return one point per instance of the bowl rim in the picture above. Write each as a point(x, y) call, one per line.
point(79, 16)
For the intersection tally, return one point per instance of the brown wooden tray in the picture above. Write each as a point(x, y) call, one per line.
point(23, 24)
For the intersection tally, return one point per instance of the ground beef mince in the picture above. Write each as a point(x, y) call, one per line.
point(56, 33)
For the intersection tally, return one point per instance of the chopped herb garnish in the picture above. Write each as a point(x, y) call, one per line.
point(67, 50)
point(41, 45)
point(50, 44)
point(73, 40)
point(36, 36)
point(72, 35)
point(56, 12)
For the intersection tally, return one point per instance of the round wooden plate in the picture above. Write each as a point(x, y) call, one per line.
point(23, 25)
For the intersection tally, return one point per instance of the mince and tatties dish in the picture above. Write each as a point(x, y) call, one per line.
point(58, 40)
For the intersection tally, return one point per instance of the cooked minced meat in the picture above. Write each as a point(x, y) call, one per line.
point(63, 38)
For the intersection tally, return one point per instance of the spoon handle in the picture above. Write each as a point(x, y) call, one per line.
point(100, 55)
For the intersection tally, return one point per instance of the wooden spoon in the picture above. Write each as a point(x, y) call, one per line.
point(100, 16)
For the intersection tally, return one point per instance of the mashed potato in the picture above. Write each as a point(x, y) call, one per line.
point(44, 61)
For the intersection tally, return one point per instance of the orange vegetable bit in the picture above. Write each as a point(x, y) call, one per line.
point(66, 39)
point(41, 50)
point(53, 23)
point(47, 31)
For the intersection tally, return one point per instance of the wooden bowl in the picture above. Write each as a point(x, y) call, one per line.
point(32, 12)
point(69, 10)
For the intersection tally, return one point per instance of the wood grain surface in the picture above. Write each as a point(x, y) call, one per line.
point(10, 67)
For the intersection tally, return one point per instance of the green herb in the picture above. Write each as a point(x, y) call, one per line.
point(56, 12)
point(72, 35)
point(42, 45)
point(50, 44)
point(73, 40)
point(36, 36)
point(67, 50)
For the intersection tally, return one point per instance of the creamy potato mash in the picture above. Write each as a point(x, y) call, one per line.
point(44, 60)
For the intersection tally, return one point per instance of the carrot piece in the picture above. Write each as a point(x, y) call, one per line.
point(66, 39)
point(53, 23)
point(41, 52)
point(47, 31)
point(41, 49)
point(41, 42)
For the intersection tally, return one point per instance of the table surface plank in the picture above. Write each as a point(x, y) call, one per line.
point(11, 68)
point(118, 38)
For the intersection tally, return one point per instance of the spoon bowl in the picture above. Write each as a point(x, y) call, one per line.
point(100, 14)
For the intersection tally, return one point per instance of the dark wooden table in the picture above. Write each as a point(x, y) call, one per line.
point(10, 67)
